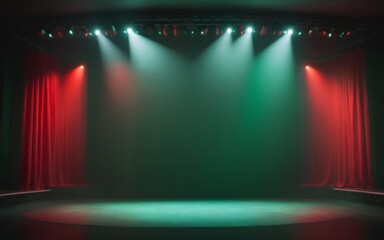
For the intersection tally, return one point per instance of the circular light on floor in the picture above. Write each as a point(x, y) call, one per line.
point(176, 214)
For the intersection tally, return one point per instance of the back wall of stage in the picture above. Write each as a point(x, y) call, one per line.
point(226, 116)
point(224, 122)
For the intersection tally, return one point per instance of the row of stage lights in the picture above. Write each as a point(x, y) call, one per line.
point(175, 31)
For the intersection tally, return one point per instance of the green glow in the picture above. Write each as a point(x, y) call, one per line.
point(155, 63)
point(270, 109)
point(109, 52)
point(273, 70)
point(226, 117)
point(191, 213)
point(241, 58)
point(213, 64)
point(119, 77)
point(223, 66)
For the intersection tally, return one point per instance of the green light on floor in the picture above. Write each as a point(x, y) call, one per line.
point(190, 213)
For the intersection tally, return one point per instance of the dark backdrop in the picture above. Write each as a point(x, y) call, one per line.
point(11, 106)
point(175, 135)
point(192, 141)
point(375, 87)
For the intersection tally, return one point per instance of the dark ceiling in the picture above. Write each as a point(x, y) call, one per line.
point(26, 18)
point(44, 8)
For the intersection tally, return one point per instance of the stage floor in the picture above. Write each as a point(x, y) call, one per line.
point(192, 220)
point(172, 214)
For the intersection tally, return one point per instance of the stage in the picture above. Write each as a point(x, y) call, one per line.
point(181, 214)
point(205, 219)
point(192, 120)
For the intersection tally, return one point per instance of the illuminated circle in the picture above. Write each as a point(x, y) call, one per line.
point(187, 214)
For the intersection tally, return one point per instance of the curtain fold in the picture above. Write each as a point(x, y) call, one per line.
point(53, 128)
point(339, 133)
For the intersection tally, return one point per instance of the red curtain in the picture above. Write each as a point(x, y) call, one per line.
point(339, 134)
point(54, 122)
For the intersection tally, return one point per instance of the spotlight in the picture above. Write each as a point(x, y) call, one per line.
point(97, 32)
point(58, 32)
point(110, 31)
point(87, 34)
point(307, 67)
point(50, 35)
point(157, 28)
point(323, 33)
point(205, 31)
point(249, 29)
point(164, 30)
point(82, 66)
point(229, 30)
point(218, 31)
point(241, 30)
point(329, 34)
point(70, 32)
point(41, 33)
point(290, 31)
point(129, 30)
point(175, 30)
point(264, 30)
